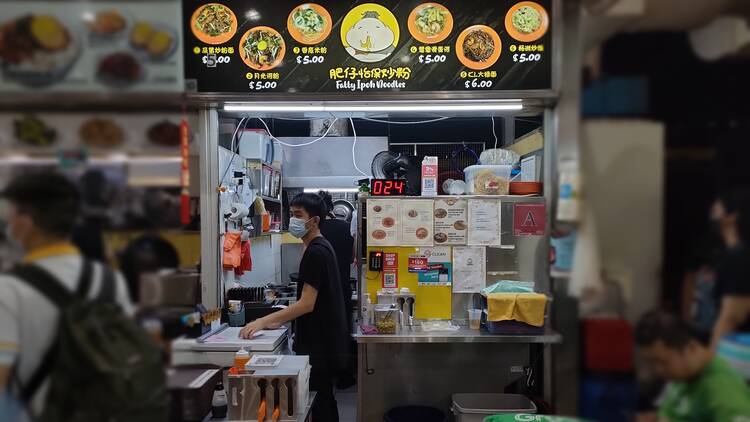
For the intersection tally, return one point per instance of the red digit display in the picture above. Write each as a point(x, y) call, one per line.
point(385, 187)
point(400, 187)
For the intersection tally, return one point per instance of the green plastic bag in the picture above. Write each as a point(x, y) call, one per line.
point(524, 417)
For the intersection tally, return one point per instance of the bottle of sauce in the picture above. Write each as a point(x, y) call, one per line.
point(219, 405)
point(241, 358)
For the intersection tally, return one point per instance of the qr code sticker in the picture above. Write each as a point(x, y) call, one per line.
point(389, 280)
point(429, 183)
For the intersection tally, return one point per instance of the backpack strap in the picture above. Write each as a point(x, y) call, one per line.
point(48, 285)
point(107, 293)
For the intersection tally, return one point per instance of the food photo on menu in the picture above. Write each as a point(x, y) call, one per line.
point(88, 46)
point(417, 222)
point(383, 222)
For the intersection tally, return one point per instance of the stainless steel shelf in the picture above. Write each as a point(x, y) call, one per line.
point(463, 335)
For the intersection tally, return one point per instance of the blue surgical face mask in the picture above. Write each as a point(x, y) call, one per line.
point(298, 227)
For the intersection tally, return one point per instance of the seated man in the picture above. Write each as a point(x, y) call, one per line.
point(701, 386)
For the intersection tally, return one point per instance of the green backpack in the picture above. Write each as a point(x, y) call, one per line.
point(102, 366)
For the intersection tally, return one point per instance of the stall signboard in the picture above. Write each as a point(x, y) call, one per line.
point(82, 47)
point(355, 48)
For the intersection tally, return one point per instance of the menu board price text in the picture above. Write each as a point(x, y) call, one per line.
point(430, 58)
point(523, 57)
point(304, 60)
point(476, 83)
point(260, 85)
point(213, 60)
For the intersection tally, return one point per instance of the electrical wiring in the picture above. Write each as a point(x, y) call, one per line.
point(493, 131)
point(296, 145)
point(440, 119)
point(354, 146)
point(234, 151)
point(246, 119)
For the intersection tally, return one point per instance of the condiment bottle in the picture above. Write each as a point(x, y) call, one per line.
point(241, 358)
point(219, 405)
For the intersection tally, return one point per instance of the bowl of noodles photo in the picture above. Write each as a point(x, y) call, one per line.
point(309, 23)
point(527, 21)
point(430, 23)
point(478, 47)
point(214, 23)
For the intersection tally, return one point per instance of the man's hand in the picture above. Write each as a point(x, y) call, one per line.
point(252, 328)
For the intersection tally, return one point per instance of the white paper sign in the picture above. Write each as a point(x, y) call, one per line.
point(484, 222)
point(417, 222)
point(469, 269)
point(383, 222)
point(450, 221)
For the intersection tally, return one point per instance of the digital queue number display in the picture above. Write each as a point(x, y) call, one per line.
point(387, 187)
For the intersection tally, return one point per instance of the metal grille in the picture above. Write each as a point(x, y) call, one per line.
point(452, 157)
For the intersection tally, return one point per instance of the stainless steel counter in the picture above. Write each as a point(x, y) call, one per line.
point(463, 335)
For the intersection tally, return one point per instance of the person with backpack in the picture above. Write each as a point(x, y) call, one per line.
point(69, 349)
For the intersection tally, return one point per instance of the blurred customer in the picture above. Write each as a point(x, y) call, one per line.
point(702, 387)
point(96, 197)
point(338, 234)
point(146, 254)
point(699, 306)
point(37, 320)
point(731, 214)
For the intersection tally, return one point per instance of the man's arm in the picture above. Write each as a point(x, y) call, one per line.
point(734, 311)
point(305, 305)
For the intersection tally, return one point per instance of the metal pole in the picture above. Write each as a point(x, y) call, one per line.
point(212, 292)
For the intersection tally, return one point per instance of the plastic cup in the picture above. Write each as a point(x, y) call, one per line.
point(475, 318)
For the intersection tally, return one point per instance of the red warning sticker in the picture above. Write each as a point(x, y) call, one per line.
point(529, 219)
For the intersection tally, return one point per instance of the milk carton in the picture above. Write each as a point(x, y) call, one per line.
point(429, 176)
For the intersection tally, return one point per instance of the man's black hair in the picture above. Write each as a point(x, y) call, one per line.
point(311, 203)
point(49, 198)
point(327, 200)
point(656, 326)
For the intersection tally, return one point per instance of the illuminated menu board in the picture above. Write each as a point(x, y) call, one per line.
point(281, 46)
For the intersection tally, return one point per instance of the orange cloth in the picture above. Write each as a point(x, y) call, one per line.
point(246, 260)
point(232, 250)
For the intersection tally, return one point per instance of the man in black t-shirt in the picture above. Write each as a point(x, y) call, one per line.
point(321, 330)
point(338, 233)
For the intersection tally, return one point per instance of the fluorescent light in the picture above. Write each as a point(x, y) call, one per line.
point(437, 108)
point(353, 108)
point(338, 190)
point(273, 108)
